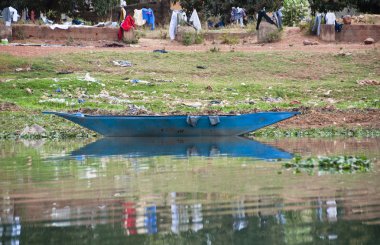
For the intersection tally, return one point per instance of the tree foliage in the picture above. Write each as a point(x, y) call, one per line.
point(294, 11)
point(223, 8)
point(367, 6)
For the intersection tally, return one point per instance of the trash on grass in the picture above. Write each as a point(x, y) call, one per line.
point(162, 51)
point(122, 63)
point(139, 81)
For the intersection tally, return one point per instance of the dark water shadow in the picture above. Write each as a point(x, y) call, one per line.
point(181, 147)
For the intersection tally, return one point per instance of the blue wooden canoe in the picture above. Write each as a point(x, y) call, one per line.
point(175, 126)
point(136, 147)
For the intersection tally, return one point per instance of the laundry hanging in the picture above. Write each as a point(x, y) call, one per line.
point(148, 15)
point(195, 20)
point(127, 25)
point(138, 17)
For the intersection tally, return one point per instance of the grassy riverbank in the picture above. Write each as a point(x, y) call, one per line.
point(224, 82)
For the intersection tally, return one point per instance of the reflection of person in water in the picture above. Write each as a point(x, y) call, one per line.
point(331, 211)
point(238, 214)
point(130, 218)
point(151, 219)
point(181, 217)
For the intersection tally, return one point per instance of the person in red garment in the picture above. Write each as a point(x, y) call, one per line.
point(128, 24)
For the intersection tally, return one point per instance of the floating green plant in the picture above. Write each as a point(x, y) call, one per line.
point(340, 164)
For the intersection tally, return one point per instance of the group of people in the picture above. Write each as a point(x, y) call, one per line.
point(328, 18)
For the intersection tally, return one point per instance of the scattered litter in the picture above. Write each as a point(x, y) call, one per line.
point(272, 100)
point(29, 91)
point(162, 80)
point(81, 101)
point(123, 63)
point(33, 130)
point(111, 99)
point(201, 67)
point(64, 72)
point(88, 78)
point(136, 110)
point(295, 102)
point(35, 44)
point(307, 42)
point(163, 51)
point(193, 104)
point(58, 90)
point(22, 69)
point(331, 100)
point(53, 100)
point(113, 45)
point(139, 81)
point(134, 45)
point(342, 53)
point(215, 102)
point(368, 82)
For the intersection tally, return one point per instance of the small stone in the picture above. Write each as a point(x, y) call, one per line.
point(369, 41)
point(307, 42)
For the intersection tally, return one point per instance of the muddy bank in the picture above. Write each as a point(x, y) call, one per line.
point(327, 117)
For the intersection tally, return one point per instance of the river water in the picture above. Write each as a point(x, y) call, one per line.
point(185, 191)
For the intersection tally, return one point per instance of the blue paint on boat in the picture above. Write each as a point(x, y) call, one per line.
point(175, 126)
point(132, 147)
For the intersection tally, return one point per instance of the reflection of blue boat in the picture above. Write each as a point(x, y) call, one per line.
point(181, 147)
point(176, 126)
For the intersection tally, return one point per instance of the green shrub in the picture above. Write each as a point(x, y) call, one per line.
point(274, 36)
point(214, 50)
point(294, 11)
point(187, 39)
point(199, 39)
point(229, 39)
point(192, 38)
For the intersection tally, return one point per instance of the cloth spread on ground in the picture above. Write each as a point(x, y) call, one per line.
point(138, 17)
point(62, 27)
point(127, 25)
point(262, 14)
point(330, 18)
point(195, 19)
point(173, 25)
point(148, 15)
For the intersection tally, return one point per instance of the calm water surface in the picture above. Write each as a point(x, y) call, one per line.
point(185, 191)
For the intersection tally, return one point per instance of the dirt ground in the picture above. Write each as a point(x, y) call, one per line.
point(292, 41)
point(327, 117)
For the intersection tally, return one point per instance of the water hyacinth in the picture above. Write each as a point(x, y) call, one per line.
point(341, 164)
